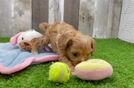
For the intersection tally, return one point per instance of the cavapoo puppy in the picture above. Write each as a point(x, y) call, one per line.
point(72, 46)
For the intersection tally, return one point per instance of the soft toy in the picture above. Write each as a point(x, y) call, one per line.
point(23, 39)
point(59, 72)
point(93, 69)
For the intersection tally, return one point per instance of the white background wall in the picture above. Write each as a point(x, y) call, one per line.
point(5, 17)
point(15, 16)
point(95, 16)
point(126, 31)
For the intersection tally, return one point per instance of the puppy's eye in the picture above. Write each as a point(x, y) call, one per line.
point(22, 38)
point(75, 54)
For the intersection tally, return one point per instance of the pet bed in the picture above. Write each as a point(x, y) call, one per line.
point(13, 59)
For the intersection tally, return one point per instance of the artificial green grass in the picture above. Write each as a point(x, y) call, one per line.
point(4, 39)
point(119, 53)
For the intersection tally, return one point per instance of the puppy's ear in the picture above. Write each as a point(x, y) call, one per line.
point(69, 43)
point(43, 26)
point(64, 41)
point(93, 45)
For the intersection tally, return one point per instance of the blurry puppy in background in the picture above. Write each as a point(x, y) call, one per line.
point(72, 46)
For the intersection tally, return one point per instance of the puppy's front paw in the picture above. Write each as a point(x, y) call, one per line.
point(73, 73)
point(72, 68)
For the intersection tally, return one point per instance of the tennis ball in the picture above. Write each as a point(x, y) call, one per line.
point(59, 72)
